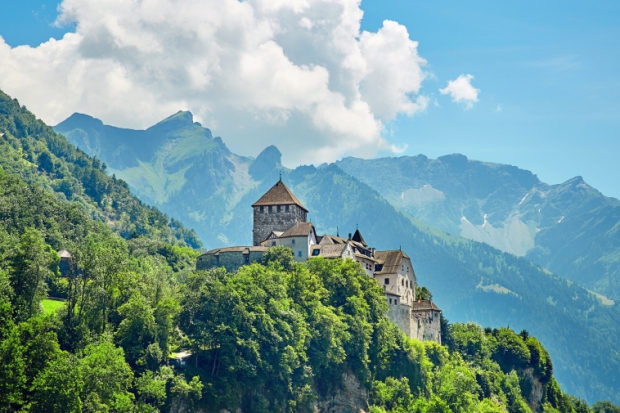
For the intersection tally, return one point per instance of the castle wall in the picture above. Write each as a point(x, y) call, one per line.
point(427, 325)
point(400, 314)
point(232, 260)
point(299, 245)
point(265, 222)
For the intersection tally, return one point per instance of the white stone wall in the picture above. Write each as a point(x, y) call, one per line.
point(427, 325)
point(297, 244)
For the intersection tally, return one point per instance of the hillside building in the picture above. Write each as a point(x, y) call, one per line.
point(280, 219)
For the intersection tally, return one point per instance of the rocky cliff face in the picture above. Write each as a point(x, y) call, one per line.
point(535, 395)
point(352, 398)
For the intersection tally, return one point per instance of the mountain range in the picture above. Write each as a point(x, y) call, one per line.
point(437, 210)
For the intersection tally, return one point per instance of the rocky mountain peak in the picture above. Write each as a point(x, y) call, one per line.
point(268, 160)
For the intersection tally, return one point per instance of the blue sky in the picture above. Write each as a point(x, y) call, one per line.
point(547, 73)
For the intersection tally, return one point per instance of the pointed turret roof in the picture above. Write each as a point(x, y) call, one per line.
point(358, 237)
point(279, 194)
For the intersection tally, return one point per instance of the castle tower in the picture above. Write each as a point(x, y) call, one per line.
point(277, 210)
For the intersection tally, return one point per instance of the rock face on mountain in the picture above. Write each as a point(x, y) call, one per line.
point(195, 178)
point(570, 228)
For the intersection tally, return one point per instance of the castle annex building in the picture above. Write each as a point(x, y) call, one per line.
point(281, 219)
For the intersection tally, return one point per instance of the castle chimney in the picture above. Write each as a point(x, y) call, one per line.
point(349, 236)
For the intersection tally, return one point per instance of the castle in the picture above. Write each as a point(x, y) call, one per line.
point(281, 219)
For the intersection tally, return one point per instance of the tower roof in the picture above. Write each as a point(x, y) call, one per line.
point(358, 237)
point(279, 194)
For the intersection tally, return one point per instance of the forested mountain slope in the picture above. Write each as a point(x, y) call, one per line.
point(277, 337)
point(176, 165)
point(33, 151)
point(471, 281)
point(569, 228)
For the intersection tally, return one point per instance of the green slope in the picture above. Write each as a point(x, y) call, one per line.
point(34, 152)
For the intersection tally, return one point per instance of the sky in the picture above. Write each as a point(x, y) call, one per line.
point(532, 84)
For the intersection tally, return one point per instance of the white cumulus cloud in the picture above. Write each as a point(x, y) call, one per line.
point(299, 74)
point(461, 91)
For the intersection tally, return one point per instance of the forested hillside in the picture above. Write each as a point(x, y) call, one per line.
point(33, 151)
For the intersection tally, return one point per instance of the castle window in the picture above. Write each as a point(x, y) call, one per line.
point(273, 243)
point(279, 210)
point(247, 259)
point(262, 210)
point(286, 208)
point(390, 301)
point(293, 241)
point(315, 253)
point(386, 281)
point(402, 282)
point(299, 253)
point(270, 209)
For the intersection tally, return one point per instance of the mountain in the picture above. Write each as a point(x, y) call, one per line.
point(178, 166)
point(35, 153)
point(571, 228)
point(471, 281)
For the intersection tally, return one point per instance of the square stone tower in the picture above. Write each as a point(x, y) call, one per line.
point(277, 210)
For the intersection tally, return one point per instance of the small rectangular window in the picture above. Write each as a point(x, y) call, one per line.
point(386, 281)
point(262, 210)
point(293, 241)
point(299, 254)
point(279, 210)
point(270, 209)
point(287, 208)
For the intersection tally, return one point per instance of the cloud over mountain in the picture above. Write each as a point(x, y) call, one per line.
point(299, 74)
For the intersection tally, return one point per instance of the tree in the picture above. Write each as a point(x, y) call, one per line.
point(103, 259)
point(280, 256)
point(605, 407)
point(12, 372)
point(106, 376)
point(509, 350)
point(58, 387)
point(30, 265)
point(137, 331)
point(6, 309)
point(423, 293)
